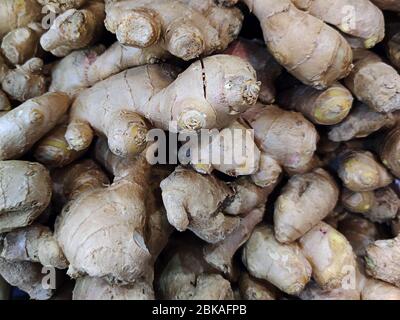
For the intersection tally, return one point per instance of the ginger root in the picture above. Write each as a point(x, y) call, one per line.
point(299, 207)
point(26, 193)
point(283, 265)
point(255, 289)
point(23, 126)
point(392, 5)
point(330, 254)
point(325, 107)
point(389, 150)
point(4, 102)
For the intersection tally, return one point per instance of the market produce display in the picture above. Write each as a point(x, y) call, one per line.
point(200, 150)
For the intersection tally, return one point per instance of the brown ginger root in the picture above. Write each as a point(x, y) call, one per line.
point(388, 148)
point(330, 254)
point(366, 21)
point(283, 265)
point(185, 28)
point(266, 67)
point(22, 44)
point(75, 29)
point(26, 81)
point(361, 122)
point(18, 13)
point(203, 214)
point(4, 102)
point(231, 151)
point(286, 136)
point(381, 205)
point(21, 127)
point(186, 276)
point(322, 57)
point(360, 171)
point(299, 207)
point(25, 195)
point(359, 232)
point(33, 243)
point(255, 289)
point(314, 292)
point(221, 87)
point(382, 260)
point(325, 107)
point(374, 82)
point(392, 5)
point(84, 68)
point(53, 150)
point(27, 276)
point(62, 5)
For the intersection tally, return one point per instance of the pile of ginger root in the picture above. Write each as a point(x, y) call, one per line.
point(305, 99)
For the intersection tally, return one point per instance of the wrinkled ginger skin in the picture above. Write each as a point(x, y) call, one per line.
point(382, 260)
point(27, 276)
point(23, 126)
point(255, 289)
point(374, 82)
point(330, 254)
point(89, 288)
point(22, 44)
point(361, 122)
point(379, 206)
point(379, 290)
point(322, 57)
point(359, 232)
point(18, 13)
point(286, 136)
point(230, 85)
point(119, 257)
point(74, 29)
point(84, 68)
point(53, 150)
point(314, 292)
point(389, 150)
point(327, 107)
point(299, 207)
point(265, 65)
point(186, 276)
point(26, 193)
point(368, 24)
point(33, 243)
point(283, 265)
point(360, 171)
point(203, 214)
point(63, 5)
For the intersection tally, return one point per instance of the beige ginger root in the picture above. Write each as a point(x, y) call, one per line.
point(374, 82)
point(382, 260)
point(18, 13)
point(325, 107)
point(210, 94)
point(33, 243)
point(21, 127)
point(26, 193)
point(22, 44)
point(283, 265)
point(185, 28)
point(379, 290)
point(203, 214)
point(366, 21)
point(25, 81)
point(265, 65)
point(361, 122)
point(360, 171)
point(330, 254)
point(269, 172)
point(74, 29)
point(27, 276)
point(53, 150)
point(380, 205)
point(359, 232)
point(299, 207)
point(255, 289)
point(322, 57)
point(83, 68)
point(186, 276)
point(62, 5)
point(286, 136)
